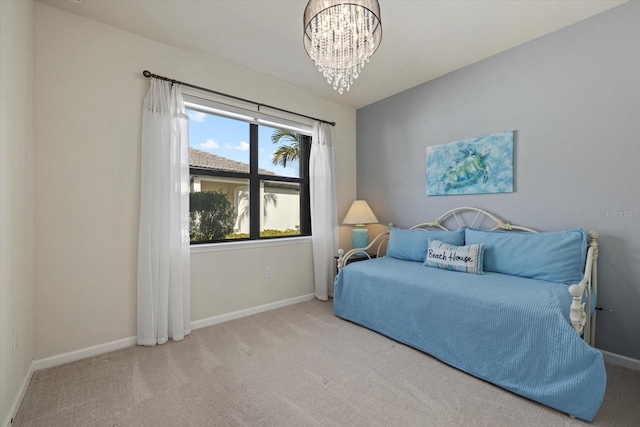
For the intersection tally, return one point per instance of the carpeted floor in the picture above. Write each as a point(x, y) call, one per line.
point(295, 366)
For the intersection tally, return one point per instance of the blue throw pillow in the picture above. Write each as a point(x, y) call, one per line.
point(467, 259)
point(552, 256)
point(412, 245)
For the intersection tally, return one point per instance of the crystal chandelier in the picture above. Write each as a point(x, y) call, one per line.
point(340, 36)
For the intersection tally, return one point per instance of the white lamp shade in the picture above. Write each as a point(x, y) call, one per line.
point(360, 213)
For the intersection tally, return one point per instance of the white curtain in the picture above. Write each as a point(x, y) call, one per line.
point(324, 215)
point(164, 306)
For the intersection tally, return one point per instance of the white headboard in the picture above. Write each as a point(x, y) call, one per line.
point(470, 217)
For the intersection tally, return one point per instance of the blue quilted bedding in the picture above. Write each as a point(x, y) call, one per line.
point(511, 331)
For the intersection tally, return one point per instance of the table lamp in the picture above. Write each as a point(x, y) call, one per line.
point(360, 214)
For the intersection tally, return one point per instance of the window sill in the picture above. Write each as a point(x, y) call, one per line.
point(249, 244)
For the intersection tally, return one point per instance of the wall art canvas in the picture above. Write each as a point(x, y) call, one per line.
point(471, 166)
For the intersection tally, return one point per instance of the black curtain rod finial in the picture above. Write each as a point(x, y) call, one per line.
point(146, 73)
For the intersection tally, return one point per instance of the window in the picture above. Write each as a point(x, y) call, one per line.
point(248, 180)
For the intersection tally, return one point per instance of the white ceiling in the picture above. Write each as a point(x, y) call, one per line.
point(422, 40)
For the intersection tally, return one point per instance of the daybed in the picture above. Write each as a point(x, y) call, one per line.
point(503, 303)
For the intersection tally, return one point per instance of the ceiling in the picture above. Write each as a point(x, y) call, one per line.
point(422, 40)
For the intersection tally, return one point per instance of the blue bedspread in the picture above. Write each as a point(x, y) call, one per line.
point(511, 331)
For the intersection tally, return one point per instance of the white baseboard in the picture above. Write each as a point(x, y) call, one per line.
point(18, 401)
point(83, 353)
point(249, 311)
point(620, 360)
point(95, 350)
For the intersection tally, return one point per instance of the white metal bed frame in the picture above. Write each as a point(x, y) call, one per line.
point(579, 311)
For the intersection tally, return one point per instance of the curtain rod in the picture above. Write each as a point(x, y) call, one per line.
point(148, 74)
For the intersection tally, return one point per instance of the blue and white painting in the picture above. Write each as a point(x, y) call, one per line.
point(471, 166)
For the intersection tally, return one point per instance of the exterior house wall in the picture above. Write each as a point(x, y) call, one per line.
point(286, 215)
point(224, 187)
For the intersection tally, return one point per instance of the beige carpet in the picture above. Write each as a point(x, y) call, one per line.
point(295, 366)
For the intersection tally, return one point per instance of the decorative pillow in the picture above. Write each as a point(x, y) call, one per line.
point(467, 259)
point(412, 245)
point(552, 256)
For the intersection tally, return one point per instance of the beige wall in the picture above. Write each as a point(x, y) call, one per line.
point(221, 289)
point(16, 201)
point(88, 99)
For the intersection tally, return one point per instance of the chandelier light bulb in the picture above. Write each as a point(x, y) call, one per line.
point(341, 36)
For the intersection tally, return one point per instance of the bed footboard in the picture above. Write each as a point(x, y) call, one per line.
point(580, 310)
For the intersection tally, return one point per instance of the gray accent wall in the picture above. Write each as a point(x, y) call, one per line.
point(573, 98)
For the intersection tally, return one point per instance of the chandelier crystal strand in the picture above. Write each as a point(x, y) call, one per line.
point(340, 36)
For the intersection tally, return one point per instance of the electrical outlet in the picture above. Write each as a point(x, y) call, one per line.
point(15, 340)
point(267, 273)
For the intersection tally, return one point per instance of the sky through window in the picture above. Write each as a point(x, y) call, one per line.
point(230, 138)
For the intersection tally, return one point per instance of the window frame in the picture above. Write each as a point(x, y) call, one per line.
point(254, 177)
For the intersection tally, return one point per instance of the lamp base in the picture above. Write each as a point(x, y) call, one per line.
point(360, 238)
